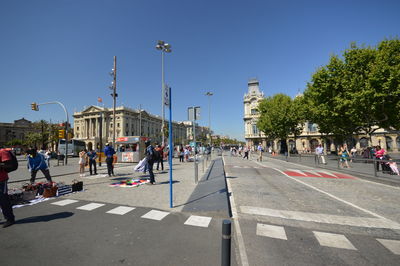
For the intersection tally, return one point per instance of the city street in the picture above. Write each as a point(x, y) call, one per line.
point(105, 225)
point(292, 214)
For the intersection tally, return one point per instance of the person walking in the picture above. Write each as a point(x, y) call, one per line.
point(344, 154)
point(160, 156)
point(109, 153)
point(5, 203)
point(259, 148)
point(246, 152)
point(181, 154)
point(82, 162)
point(92, 156)
point(319, 151)
point(36, 162)
point(379, 153)
point(150, 155)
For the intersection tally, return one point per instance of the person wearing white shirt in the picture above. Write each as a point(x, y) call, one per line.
point(320, 153)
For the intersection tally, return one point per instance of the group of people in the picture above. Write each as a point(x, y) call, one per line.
point(88, 158)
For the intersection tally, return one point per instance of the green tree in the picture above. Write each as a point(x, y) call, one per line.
point(280, 116)
point(357, 93)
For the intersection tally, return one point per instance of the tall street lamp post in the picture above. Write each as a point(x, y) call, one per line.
point(209, 94)
point(113, 87)
point(164, 48)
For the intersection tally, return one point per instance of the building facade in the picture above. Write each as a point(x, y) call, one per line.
point(129, 122)
point(251, 100)
point(17, 130)
point(310, 137)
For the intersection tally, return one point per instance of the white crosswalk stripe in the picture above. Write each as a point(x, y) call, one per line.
point(272, 231)
point(121, 210)
point(90, 206)
point(64, 202)
point(155, 215)
point(333, 240)
point(392, 245)
point(201, 221)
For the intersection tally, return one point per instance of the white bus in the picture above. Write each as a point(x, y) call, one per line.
point(74, 146)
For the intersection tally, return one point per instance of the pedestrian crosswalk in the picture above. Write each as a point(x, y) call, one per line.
point(193, 220)
point(325, 239)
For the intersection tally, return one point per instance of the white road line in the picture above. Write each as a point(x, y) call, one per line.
point(322, 218)
point(239, 237)
point(155, 215)
point(64, 202)
point(272, 231)
point(90, 206)
point(392, 245)
point(121, 210)
point(201, 221)
point(333, 240)
point(334, 197)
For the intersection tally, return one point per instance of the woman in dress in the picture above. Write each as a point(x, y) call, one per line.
point(82, 162)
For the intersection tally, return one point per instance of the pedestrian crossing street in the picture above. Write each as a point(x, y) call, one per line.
point(193, 220)
point(324, 239)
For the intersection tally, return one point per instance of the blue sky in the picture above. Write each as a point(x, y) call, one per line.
point(62, 50)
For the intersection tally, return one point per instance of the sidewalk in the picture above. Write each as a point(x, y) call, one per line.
point(96, 187)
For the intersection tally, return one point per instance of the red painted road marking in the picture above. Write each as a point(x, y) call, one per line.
point(320, 175)
point(293, 173)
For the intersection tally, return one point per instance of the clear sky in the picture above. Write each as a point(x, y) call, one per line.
point(62, 50)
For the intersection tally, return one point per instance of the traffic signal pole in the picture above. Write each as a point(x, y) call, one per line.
point(35, 107)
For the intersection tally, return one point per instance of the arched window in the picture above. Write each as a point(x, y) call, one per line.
point(313, 144)
point(389, 143)
point(363, 143)
point(398, 143)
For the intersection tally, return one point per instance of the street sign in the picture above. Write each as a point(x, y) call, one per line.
point(166, 96)
point(194, 113)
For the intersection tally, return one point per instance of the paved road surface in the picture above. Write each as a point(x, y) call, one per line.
point(290, 214)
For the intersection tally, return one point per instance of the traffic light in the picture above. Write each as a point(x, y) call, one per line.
point(61, 133)
point(34, 107)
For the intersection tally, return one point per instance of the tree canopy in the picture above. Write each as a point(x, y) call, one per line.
point(357, 92)
point(280, 116)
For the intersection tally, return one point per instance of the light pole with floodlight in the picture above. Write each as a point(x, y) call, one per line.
point(164, 48)
point(209, 94)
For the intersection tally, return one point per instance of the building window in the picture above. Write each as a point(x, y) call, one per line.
point(312, 127)
point(77, 128)
point(117, 124)
point(254, 111)
point(255, 130)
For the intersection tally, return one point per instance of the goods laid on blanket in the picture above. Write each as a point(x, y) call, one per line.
point(130, 183)
point(29, 192)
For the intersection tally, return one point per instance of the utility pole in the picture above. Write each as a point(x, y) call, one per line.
point(140, 120)
point(114, 95)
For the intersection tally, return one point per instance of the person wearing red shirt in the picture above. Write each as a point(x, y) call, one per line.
point(379, 153)
point(5, 203)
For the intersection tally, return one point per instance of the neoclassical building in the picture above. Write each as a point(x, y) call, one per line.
point(310, 137)
point(129, 122)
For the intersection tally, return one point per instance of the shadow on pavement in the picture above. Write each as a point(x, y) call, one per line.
point(45, 218)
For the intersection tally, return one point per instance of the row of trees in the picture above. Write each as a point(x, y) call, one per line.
point(43, 134)
point(354, 93)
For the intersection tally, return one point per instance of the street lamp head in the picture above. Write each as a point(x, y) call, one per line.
point(167, 50)
point(167, 46)
point(161, 43)
point(159, 47)
point(209, 93)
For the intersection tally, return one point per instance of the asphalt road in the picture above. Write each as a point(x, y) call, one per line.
point(291, 214)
